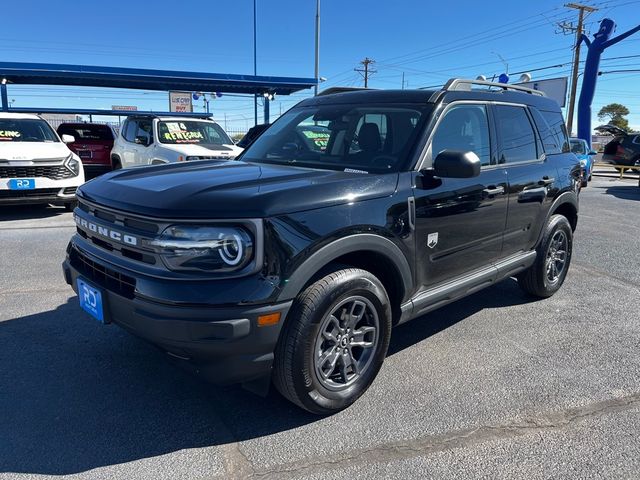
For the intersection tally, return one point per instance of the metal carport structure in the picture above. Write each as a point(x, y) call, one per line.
point(144, 79)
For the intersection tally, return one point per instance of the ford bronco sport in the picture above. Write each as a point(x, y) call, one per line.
point(291, 264)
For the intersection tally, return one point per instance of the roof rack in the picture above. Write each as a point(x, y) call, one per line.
point(465, 85)
point(332, 90)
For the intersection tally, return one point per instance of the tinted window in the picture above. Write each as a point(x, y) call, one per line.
point(558, 130)
point(130, 131)
point(517, 137)
point(367, 138)
point(144, 130)
point(464, 128)
point(25, 130)
point(86, 132)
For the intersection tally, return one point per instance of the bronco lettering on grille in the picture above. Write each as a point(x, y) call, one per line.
point(106, 232)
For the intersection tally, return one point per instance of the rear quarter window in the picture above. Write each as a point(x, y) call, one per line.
point(552, 131)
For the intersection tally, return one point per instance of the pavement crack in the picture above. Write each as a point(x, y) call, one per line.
point(447, 441)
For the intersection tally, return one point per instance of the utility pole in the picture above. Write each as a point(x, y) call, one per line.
point(366, 72)
point(255, 62)
point(315, 88)
point(576, 56)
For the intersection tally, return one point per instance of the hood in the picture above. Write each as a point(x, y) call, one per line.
point(233, 189)
point(612, 129)
point(33, 151)
point(203, 150)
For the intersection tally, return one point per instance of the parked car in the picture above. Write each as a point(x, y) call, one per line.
point(293, 264)
point(36, 166)
point(93, 144)
point(585, 155)
point(253, 133)
point(624, 149)
point(153, 140)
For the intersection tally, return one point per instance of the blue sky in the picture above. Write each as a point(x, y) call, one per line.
point(427, 41)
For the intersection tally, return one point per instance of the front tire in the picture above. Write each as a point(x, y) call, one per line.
point(547, 274)
point(334, 342)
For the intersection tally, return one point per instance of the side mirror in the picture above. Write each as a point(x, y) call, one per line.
point(456, 164)
point(142, 140)
point(68, 138)
point(592, 152)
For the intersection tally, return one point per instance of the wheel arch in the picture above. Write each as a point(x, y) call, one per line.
point(370, 252)
point(567, 206)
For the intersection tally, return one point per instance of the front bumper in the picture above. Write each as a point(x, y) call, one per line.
point(223, 344)
point(47, 190)
point(56, 196)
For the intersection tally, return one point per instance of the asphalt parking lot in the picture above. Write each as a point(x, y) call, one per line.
point(495, 386)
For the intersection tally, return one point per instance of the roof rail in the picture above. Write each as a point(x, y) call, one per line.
point(332, 90)
point(462, 84)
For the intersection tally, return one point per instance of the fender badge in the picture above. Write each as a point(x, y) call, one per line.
point(432, 240)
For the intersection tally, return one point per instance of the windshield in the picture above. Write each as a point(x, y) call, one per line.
point(192, 132)
point(578, 147)
point(363, 138)
point(26, 130)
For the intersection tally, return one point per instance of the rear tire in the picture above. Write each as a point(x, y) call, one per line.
point(547, 274)
point(117, 165)
point(334, 341)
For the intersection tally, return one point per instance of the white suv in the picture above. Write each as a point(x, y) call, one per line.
point(152, 140)
point(35, 165)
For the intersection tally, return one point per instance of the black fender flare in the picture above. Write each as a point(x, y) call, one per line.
point(569, 197)
point(361, 242)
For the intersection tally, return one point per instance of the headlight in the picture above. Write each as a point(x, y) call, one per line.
point(205, 248)
point(583, 163)
point(72, 164)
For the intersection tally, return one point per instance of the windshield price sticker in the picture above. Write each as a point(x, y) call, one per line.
point(9, 134)
point(182, 136)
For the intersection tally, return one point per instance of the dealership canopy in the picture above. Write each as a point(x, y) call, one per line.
point(145, 79)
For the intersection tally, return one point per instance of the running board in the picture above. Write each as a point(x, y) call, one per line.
point(436, 297)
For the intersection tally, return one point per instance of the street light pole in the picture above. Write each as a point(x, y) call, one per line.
point(315, 88)
point(255, 63)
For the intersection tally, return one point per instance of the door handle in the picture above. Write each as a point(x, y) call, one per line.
point(544, 181)
point(492, 190)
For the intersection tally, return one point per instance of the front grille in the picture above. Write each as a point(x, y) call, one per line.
point(38, 192)
point(101, 275)
point(53, 172)
point(70, 190)
point(122, 223)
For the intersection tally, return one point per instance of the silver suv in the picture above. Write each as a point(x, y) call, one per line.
point(153, 140)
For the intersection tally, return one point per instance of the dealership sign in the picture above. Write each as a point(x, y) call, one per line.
point(124, 108)
point(180, 102)
point(554, 88)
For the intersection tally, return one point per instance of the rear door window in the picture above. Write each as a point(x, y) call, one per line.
point(517, 137)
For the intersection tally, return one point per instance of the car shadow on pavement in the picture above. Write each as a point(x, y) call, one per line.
point(626, 192)
point(76, 395)
point(23, 212)
point(500, 295)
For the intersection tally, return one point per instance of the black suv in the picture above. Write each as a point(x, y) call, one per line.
point(292, 264)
